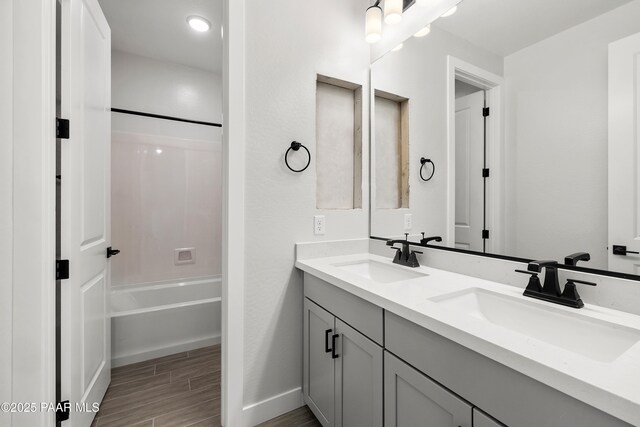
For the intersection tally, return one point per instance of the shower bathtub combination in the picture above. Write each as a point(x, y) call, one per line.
point(157, 319)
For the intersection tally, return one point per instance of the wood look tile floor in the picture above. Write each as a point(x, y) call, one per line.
point(179, 390)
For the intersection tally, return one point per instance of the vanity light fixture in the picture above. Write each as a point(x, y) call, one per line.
point(393, 11)
point(449, 12)
point(198, 23)
point(373, 23)
point(423, 32)
point(397, 48)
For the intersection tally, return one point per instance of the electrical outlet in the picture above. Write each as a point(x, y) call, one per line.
point(318, 225)
point(408, 221)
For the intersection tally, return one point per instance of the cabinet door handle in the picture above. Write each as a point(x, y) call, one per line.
point(327, 349)
point(334, 338)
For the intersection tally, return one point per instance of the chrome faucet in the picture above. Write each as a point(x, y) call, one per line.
point(404, 256)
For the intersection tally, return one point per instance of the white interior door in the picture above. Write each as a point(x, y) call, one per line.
point(85, 207)
point(469, 210)
point(624, 153)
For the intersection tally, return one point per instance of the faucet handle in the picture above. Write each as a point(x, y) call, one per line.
point(581, 282)
point(571, 293)
point(533, 273)
point(534, 284)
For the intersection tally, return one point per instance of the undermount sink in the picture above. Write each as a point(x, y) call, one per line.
point(379, 272)
point(593, 338)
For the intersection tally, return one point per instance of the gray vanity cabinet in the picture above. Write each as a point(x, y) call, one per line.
point(342, 380)
point(319, 378)
point(412, 399)
point(359, 389)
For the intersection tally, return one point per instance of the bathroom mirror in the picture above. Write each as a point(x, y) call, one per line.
point(524, 114)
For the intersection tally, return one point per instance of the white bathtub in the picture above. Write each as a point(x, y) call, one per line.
point(157, 319)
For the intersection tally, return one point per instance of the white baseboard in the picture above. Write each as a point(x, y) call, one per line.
point(165, 351)
point(272, 407)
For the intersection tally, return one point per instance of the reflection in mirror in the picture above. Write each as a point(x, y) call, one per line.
point(527, 111)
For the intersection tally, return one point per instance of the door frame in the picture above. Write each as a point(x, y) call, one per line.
point(33, 198)
point(492, 84)
point(33, 208)
point(233, 228)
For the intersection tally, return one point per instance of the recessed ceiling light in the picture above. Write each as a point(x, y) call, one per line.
point(198, 23)
point(449, 12)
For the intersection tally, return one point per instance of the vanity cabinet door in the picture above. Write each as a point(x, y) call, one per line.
point(319, 373)
point(411, 399)
point(359, 391)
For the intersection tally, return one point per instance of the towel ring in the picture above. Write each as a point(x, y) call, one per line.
point(424, 161)
point(295, 146)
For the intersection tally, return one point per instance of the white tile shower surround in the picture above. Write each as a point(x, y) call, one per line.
point(610, 386)
point(166, 194)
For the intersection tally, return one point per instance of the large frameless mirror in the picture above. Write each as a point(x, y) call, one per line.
point(510, 129)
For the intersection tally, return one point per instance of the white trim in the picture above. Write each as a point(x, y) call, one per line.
point(34, 154)
point(492, 83)
point(272, 407)
point(165, 307)
point(152, 286)
point(233, 234)
point(164, 351)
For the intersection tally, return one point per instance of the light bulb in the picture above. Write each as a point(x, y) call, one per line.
point(373, 25)
point(449, 12)
point(392, 11)
point(199, 24)
point(423, 32)
point(397, 48)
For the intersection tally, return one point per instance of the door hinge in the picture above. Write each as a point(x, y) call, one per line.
point(62, 269)
point(485, 112)
point(485, 173)
point(62, 128)
point(485, 234)
point(62, 411)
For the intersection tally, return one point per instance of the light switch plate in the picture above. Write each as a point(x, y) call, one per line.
point(318, 225)
point(408, 221)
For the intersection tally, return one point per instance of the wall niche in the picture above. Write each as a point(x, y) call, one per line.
point(391, 151)
point(338, 144)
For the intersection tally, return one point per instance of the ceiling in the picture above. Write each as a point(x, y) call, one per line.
point(506, 26)
point(158, 29)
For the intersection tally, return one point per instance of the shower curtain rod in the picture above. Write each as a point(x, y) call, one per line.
point(159, 116)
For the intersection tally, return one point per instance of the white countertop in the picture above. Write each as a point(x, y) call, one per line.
point(613, 387)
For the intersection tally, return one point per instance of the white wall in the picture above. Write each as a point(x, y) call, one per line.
point(6, 203)
point(422, 65)
point(287, 44)
point(152, 86)
point(166, 175)
point(556, 140)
